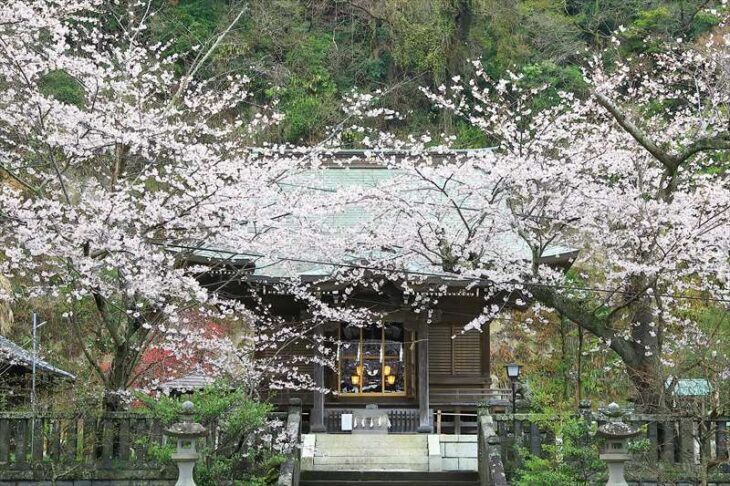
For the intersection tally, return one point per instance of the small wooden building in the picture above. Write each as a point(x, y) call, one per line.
point(422, 367)
point(16, 372)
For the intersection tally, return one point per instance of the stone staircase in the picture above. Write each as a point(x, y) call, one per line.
point(377, 460)
point(388, 478)
point(366, 452)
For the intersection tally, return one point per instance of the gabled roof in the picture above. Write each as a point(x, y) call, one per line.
point(194, 381)
point(13, 354)
point(341, 170)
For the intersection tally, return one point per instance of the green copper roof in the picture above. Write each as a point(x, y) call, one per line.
point(333, 178)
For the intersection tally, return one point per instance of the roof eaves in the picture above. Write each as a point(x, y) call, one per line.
point(19, 356)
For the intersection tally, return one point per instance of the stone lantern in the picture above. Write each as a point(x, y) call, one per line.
point(186, 433)
point(615, 451)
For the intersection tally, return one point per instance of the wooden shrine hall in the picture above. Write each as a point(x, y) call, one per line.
point(421, 367)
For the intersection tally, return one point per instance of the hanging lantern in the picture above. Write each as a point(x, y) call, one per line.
point(355, 379)
point(391, 379)
point(386, 370)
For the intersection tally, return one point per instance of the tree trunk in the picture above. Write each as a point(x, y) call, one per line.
point(119, 376)
point(640, 353)
point(643, 366)
point(457, 52)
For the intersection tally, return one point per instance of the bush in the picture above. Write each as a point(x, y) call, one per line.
point(572, 460)
point(250, 446)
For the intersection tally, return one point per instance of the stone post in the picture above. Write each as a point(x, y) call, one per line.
point(186, 433)
point(615, 451)
point(316, 419)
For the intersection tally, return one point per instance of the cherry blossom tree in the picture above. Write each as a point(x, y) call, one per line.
point(102, 175)
point(630, 178)
point(634, 177)
point(122, 188)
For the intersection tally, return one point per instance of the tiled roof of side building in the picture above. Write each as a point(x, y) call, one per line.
point(193, 381)
point(13, 354)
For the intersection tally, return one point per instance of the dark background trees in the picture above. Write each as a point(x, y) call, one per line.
point(316, 51)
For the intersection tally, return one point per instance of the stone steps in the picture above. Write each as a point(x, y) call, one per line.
point(373, 460)
point(389, 452)
point(330, 440)
point(367, 452)
point(388, 478)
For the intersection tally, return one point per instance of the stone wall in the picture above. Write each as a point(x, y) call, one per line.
point(458, 452)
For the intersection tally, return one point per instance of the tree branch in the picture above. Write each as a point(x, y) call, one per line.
point(201, 60)
point(643, 139)
point(584, 318)
point(709, 144)
point(671, 162)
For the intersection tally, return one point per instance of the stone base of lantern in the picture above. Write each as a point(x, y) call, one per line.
point(615, 462)
point(185, 463)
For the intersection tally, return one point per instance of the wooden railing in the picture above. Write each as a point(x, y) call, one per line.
point(458, 423)
point(52, 446)
point(681, 443)
point(402, 420)
point(467, 396)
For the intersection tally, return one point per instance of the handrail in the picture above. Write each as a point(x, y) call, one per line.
point(491, 467)
point(447, 396)
point(289, 471)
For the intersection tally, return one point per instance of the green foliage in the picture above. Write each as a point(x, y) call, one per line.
point(421, 47)
point(160, 453)
point(305, 113)
point(640, 446)
point(469, 136)
point(244, 452)
point(557, 78)
point(308, 99)
point(188, 24)
point(703, 22)
point(315, 51)
point(376, 68)
point(572, 461)
point(63, 87)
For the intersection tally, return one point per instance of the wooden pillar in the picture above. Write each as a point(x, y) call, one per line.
point(425, 424)
point(485, 345)
point(316, 419)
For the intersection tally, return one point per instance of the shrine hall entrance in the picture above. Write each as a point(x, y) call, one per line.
point(372, 361)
